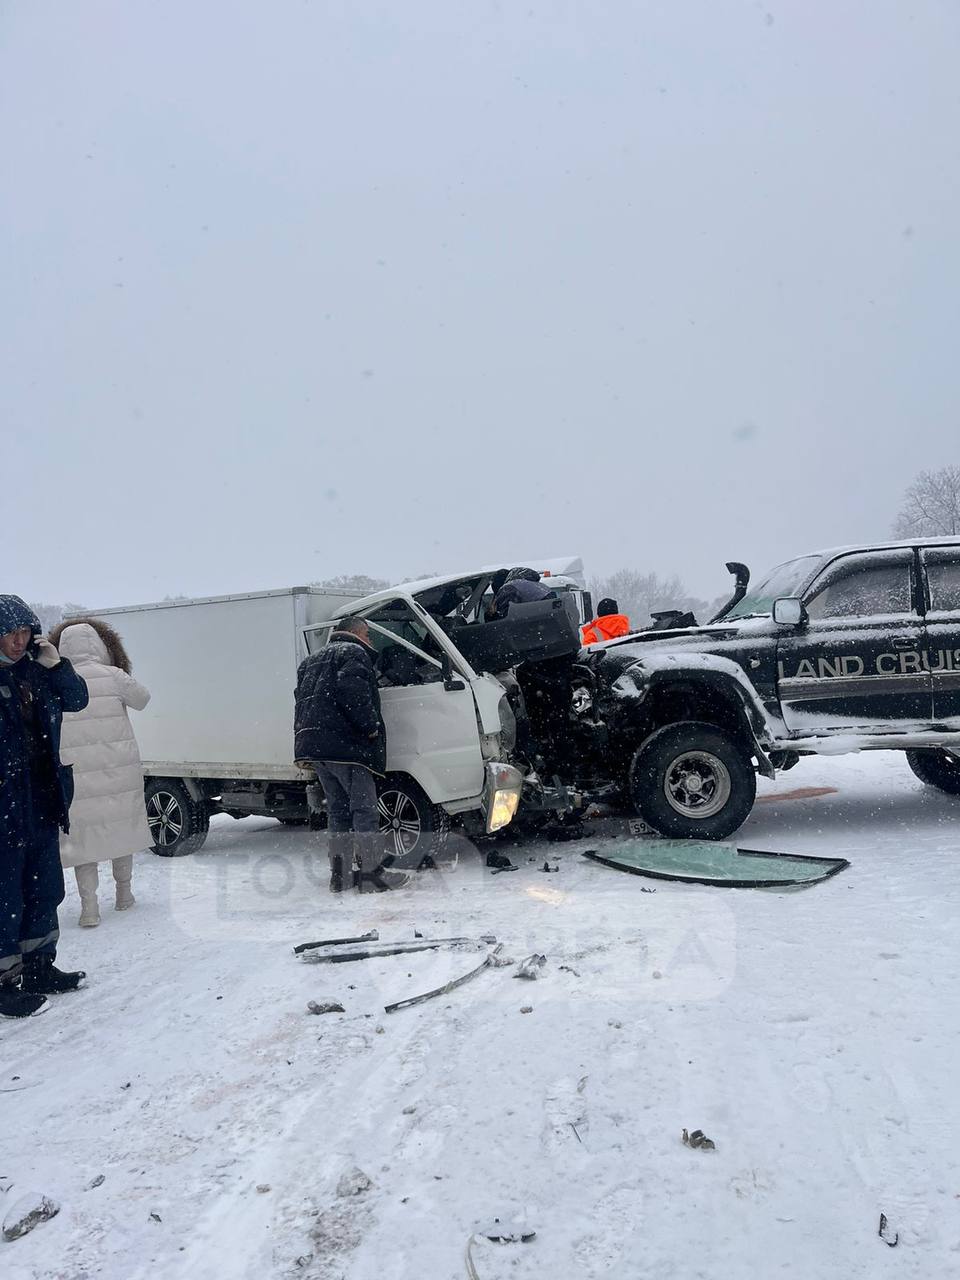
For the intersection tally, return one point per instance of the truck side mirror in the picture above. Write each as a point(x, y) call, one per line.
point(788, 611)
point(449, 683)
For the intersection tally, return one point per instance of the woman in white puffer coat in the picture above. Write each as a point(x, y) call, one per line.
point(108, 818)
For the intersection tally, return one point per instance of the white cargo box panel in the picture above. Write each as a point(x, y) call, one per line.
point(221, 673)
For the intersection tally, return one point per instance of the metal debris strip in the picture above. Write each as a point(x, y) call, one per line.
point(397, 949)
point(698, 1140)
point(488, 960)
point(372, 936)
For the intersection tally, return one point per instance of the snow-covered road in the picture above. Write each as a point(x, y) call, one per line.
point(813, 1035)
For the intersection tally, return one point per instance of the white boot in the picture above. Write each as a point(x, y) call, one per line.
point(123, 874)
point(88, 879)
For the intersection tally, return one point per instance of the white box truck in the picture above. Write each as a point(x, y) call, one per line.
point(217, 736)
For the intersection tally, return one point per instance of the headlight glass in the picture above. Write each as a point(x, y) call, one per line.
point(503, 809)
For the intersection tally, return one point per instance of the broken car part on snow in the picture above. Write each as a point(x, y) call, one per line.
point(27, 1209)
point(372, 936)
point(698, 1140)
point(396, 949)
point(723, 865)
point(489, 961)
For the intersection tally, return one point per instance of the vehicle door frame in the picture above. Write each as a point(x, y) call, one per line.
point(410, 763)
point(837, 681)
point(945, 671)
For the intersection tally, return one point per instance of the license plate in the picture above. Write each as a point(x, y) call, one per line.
point(637, 827)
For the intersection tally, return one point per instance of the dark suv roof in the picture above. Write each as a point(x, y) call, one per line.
point(831, 552)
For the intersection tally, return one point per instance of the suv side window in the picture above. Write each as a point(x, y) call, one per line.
point(863, 587)
point(943, 580)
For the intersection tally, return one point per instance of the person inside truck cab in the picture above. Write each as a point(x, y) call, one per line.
point(608, 624)
point(518, 586)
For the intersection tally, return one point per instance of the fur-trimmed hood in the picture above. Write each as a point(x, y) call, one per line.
point(73, 639)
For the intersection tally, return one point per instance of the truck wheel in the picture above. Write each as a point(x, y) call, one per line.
point(937, 769)
point(177, 822)
point(692, 781)
point(412, 827)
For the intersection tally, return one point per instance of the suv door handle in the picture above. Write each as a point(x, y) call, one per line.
point(903, 643)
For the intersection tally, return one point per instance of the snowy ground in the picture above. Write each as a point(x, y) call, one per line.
point(811, 1034)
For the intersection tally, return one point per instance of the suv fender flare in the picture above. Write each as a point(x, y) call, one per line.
point(708, 670)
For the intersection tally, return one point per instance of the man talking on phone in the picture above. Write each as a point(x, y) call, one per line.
point(36, 687)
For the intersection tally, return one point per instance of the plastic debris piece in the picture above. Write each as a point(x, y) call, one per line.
point(26, 1212)
point(885, 1233)
point(698, 1140)
point(263, 1188)
point(527, 1008)
point(98, 1181)
point(325, 1006)
point(530, 968)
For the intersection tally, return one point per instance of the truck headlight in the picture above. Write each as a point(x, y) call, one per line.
point(502, 795)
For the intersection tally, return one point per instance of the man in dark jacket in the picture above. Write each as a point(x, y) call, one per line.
point(338, 728)
point(517, 586)
point(36, 687)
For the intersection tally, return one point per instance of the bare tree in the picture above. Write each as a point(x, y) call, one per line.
point(641, 594)
point(931, 505)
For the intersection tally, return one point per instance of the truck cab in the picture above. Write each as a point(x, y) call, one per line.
point(450, 702)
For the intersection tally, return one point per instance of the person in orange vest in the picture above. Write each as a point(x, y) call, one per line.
point(608, 623)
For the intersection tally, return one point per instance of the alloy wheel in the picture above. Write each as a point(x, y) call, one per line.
point(164, 818)
point(400, 822)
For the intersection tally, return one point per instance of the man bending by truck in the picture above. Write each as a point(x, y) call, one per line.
point(339, 730)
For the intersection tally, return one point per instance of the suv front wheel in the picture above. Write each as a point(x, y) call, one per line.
point(692, 781)
point(937, 769)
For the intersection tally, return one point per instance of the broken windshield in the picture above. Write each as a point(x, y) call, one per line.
point(785, 580)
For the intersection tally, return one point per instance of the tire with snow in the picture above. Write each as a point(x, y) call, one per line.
point(178, 823)
point(692, 781)
point(937, 769)
point(413, 829)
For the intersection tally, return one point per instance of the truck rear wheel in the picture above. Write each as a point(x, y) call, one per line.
point(413, 829)
point(937, 769)
point(178, 823)
point(692, 781)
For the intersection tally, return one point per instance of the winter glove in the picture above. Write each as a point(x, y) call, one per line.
point(45, 653)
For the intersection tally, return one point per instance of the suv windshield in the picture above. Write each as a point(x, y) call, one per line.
point(784, 580)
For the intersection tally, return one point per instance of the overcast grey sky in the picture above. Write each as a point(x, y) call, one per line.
point(307, 287)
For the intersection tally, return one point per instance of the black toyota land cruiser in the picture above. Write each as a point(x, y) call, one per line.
point(846, 650)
